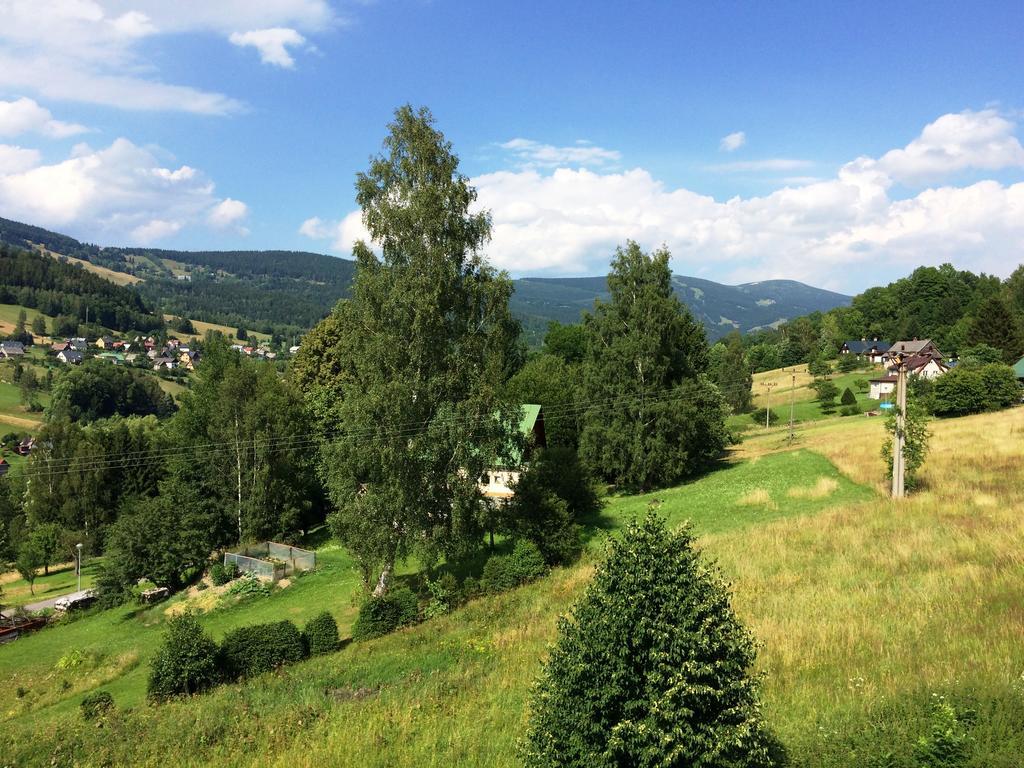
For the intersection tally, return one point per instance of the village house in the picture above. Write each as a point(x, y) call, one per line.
point(79, 344)
point(60, 346)
point(12, 349)
point(925, 366)
point(70, 356)
point(1018, 368)
point(919, 347)
point(165, 362)
point(189, 359)
point(872, 349)
point(25, 446)
point(882, 387)
point(105, 342)
point(4, 466)
point(497, 482)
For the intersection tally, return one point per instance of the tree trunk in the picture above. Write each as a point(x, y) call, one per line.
point(238, 470)
point(384, 579)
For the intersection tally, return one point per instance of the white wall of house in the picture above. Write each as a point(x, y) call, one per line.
point(931, 371)
point(497, 483)
point(880, 389)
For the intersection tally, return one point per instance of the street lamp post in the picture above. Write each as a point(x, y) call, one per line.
point(79, 548)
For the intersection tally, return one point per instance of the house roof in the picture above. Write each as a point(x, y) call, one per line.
point(885, 380)
point(1018, 368)
point(70, 355)
point(860, 346)
point(915, 362)
point(911, 347)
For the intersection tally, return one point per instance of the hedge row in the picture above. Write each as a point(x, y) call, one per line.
point(190, 662)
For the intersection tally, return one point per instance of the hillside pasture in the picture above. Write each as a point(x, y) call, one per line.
point(118, 278)
point(866, 611)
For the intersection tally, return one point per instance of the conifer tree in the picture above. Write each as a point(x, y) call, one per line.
point(651, 668)
point(654, 416)
point(994, 324)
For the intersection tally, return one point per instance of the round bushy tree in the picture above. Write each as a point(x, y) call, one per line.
point(186, 663)
point(321, 634)
point(651, 668)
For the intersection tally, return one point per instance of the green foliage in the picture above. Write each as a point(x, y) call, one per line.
point(994, 325)
point(848, 397)
point(505, 572)
point(973, 389)
point(915, 446)
point(978, 355)
point(249, 585)
point(96, 704)
point(45, 539)
point(426, 339)
point(185, 663)
point(850, 410)
point(819, 367)
point(849, 363)
point(654, 417)
point(218, 575)
point(730, 369)
point(764, 416)
point(30, 559)
point(56, 288)
point(569, 342)
point(258, 648)
point(321, 634)
point(98, 389)
point(551, 497)
point(184, 325)
point(948, 742)
point(651, 668)
point(378, 616)
point(553, 383)
point(444, 595)
point(862, 385)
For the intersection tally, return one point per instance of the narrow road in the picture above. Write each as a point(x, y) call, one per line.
point(43, 604)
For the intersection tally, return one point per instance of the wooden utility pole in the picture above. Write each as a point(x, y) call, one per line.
point(768, 407)
point(792, 396)
point(899, 438)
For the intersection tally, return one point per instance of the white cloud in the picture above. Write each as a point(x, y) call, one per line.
point(94, 50)
point(733, 141)
point(229, 213)
point(845, 232)
point(533, 154)
point(955, 142)
point(24, 115)
point(768, 164)
point(120, 194)
point(17, 159)
point(272, 44)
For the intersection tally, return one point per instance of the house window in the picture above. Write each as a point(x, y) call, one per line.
point(485, 479)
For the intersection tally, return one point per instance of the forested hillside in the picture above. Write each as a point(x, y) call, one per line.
point(64, 291)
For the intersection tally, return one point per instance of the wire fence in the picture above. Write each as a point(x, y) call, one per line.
point(270, 560)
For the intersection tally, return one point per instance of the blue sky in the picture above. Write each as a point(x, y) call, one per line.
point(839, 144)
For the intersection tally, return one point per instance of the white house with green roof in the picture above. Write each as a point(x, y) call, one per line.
point(1018, 368)
point(497, 482)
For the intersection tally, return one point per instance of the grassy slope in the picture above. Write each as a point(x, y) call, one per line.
point(118, 278)
point(59, 581)
point(863, 606)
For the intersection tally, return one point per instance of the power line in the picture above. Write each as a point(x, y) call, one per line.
point(67, 465)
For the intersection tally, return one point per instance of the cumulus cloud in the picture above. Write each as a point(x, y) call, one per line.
point(733, 141)
point(842, 232)
point(229, 213)
point(17, 159)
point(533, 154)
point(272, 44)
point(24, 115)
point(94, 50)
point(115, 194)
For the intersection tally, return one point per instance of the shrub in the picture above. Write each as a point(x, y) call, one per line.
point(186, 662)
point(975, 389)
point(862, 385)
point(321, 634)
point(849, 363)
point(651, 667)
point(849, 410)
point(444, 595)
point(96, 704)
point(848, 397)
point(504, 572)
point(259, 648)
point(249, 586)
point(380, 615)
point(217, 575)
point(759, 416)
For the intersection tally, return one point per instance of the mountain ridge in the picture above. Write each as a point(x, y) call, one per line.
point(263, 289)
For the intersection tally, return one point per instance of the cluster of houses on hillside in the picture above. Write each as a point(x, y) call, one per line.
point(920, 357)
point(174, 354)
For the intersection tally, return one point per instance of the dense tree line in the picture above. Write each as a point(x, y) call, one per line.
point(954, 308)
point(58, 288)
point(98, 390)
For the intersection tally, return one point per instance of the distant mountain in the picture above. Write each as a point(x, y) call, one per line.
point(721, 308)
point(292, 290)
